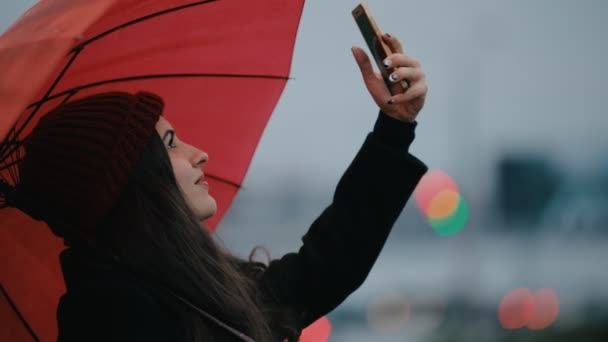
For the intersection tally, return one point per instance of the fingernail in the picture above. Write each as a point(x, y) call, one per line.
point(391, 101)
point(387, 62)
point(388, 35)
point(393, 78)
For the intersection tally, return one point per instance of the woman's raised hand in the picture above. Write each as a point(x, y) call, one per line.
point(405, 105)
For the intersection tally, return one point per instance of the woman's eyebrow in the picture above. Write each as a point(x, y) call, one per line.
point(167, 133)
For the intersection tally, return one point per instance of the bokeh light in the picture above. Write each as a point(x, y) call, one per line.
point(453, 223)
point(433, 182)
point(438, 198)
point(319, 331)
point(394, 314)
point(388, 313)
point(521, 307)
point(546, 309)
point(516, 308)
point(443, 205)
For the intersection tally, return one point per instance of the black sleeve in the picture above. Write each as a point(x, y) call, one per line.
point(344, 242)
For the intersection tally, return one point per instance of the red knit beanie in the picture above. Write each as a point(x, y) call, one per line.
point(80, 156)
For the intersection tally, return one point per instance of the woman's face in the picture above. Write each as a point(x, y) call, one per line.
point(187, 162)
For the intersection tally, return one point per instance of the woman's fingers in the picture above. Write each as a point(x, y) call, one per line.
point(408, 74)
point(416, 90)
point(408, 69)
point(406, 103)
point(400, 60)
point(393, 43)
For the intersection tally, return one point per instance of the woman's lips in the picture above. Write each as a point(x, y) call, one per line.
point(201, 181)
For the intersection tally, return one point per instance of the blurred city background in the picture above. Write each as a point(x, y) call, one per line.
point(516, 116)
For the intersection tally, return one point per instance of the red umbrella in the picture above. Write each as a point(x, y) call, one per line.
point(220, 65)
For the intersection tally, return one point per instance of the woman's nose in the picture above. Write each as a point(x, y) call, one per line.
point(200, 158)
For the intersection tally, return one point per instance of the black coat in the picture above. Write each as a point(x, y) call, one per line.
point(337, 254)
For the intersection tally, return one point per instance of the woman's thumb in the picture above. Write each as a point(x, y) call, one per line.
point(363, 61)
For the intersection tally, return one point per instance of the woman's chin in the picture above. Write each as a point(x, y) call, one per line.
point(206, 216)
point(209, 210)
point(205, 208)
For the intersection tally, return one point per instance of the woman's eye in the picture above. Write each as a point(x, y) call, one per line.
point(172, 142)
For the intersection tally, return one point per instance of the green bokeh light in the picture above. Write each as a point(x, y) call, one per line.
point(453, 223)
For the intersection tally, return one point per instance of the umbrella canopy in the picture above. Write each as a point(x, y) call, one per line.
point(220, 65)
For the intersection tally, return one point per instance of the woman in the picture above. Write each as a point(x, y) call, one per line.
point(109, 175)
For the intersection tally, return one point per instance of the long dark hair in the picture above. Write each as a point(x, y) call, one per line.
point(152, 231)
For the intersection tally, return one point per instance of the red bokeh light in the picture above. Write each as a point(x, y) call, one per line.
point(521, 308)
point(516, 309)
point(319, 331)
point(430, 185)
point(546, 309)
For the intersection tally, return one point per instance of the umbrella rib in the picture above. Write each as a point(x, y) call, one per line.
point(143, 77)
point(144, 18)
point(3, 147)
point(223, 180)
point(21, 318)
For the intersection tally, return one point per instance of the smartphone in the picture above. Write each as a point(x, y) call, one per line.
point(373, 37)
